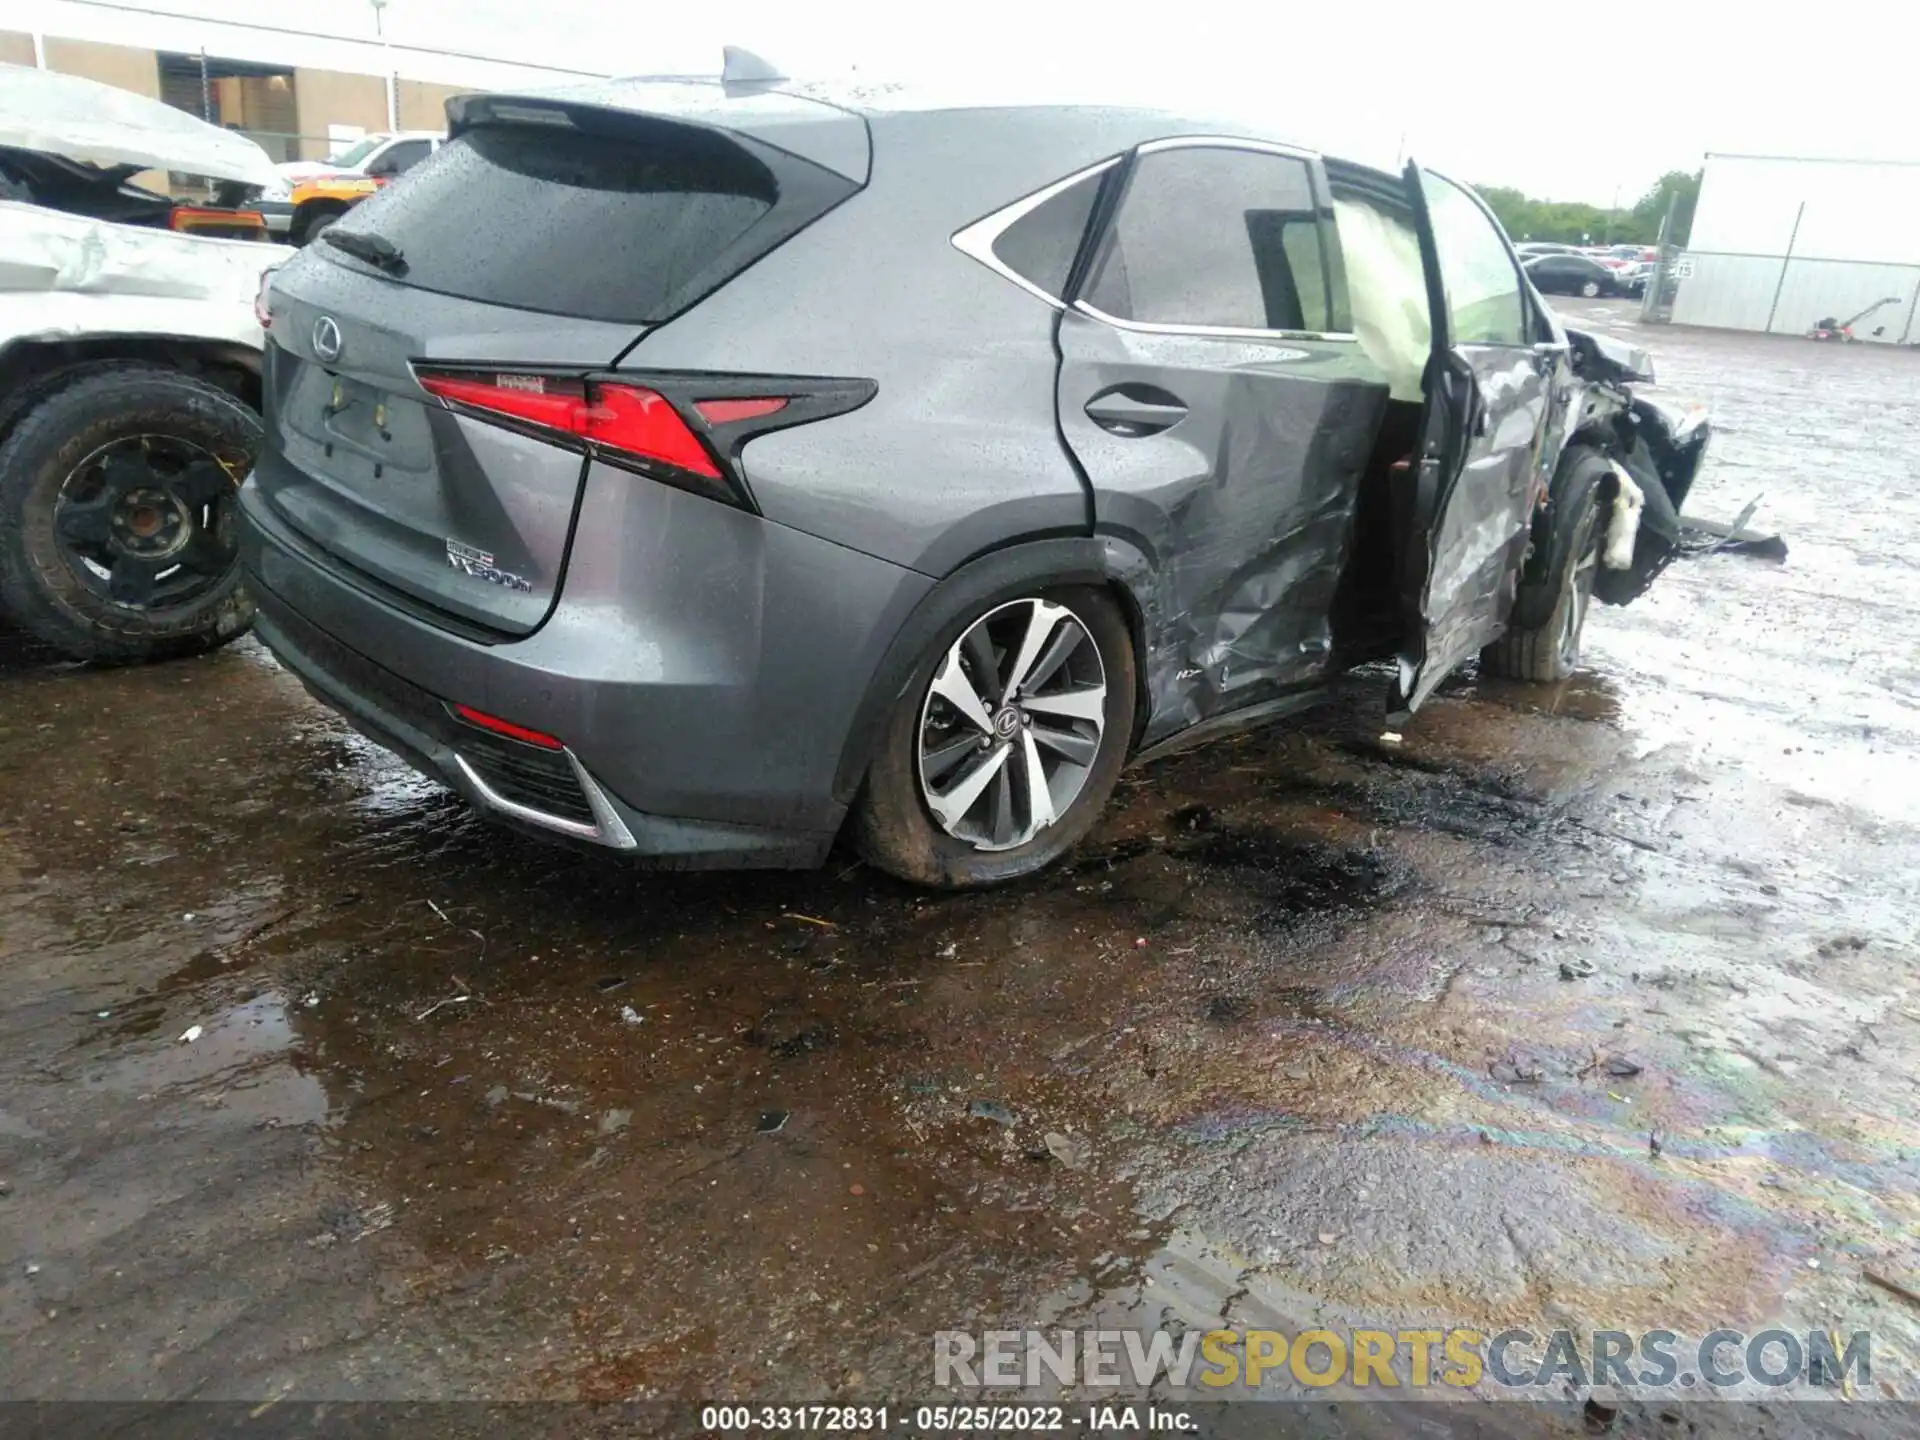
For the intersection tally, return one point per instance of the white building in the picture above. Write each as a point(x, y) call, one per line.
point(1781, 243)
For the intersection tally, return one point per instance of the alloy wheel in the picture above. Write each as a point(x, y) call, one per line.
point(1580, 585)
point(146, 521)
point(1011, 724)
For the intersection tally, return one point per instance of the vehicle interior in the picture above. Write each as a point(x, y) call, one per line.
point(1387, 297)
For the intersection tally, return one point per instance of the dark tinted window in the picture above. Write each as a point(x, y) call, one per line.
point(1217, 237)
point(402, 156)
point(632, 225)
point(1040, 245)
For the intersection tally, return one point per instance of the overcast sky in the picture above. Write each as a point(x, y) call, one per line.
point(1563, 100)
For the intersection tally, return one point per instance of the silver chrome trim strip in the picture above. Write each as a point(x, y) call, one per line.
point(976, 240)
point(1221, 332)
point(1228, 142)
point(609, 829)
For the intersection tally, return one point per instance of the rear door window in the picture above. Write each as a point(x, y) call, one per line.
point(400, 157)
point(629, 221)
point(1222, 238)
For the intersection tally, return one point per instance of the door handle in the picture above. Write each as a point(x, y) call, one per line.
point(1132, 414)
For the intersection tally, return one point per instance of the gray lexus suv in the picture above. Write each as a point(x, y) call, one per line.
point(707, 470)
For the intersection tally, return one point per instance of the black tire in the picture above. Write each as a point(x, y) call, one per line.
point(893, 827)
point(307, 229)
point(1558, 585)
point(45, 587)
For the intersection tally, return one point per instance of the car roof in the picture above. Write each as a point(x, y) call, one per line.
point(1089, 128)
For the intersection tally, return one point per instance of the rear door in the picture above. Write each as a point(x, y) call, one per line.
point(530, 254)
point(1477, 475)
point(1221, 414)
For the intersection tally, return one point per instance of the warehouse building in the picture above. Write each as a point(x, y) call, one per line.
point(303, 94)
point(1780, 244)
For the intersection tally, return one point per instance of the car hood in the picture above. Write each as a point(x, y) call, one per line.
point(96, 124)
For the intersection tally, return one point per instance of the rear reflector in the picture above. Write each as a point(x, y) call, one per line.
point(727, 412)
point(507, 728)
point(625, 419)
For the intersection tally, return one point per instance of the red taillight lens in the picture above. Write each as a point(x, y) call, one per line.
point(507, 728)
point(644, 423)
point(626, 419)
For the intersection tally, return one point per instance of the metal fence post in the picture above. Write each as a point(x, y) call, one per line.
point(1785, 261)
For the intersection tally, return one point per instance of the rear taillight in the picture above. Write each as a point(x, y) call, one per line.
point(625, 424)
point(683, 429)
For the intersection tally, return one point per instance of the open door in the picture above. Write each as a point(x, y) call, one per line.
point(1466, 509)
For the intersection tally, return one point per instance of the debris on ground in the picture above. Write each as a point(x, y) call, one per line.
point(771, 1122)
point(631, 1015)
point(1892, 1287)
point(1711, 537)
point(615, 1121)
point(191, 1034)
point(1622, 1068)
point(1516, 1072)
point(991, 1110)
point(1072, 1151)
point(1576, 969)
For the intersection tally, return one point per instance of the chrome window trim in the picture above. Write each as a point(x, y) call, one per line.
point(608, 828)
point(1227, 142)
point(976, 240)
point(1213, 332)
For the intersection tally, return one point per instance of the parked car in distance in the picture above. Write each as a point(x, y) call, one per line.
point(129, 375)
point(1528, 248)
point(310, 195)
point(1127, 429)
point(1572, 275)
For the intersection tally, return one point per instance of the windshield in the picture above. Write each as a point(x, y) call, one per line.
point(358, 152)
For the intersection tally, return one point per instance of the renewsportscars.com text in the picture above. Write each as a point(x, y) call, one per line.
point(1219, 1362)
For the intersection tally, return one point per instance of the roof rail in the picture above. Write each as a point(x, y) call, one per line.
point(743, 67)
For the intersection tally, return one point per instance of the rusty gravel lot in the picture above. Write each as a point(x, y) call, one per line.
point(1324, 1021)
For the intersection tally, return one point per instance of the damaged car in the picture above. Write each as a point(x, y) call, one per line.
point(129, 371)
point(919, 469)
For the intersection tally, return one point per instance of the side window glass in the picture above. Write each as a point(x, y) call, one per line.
point(1484, 303)
point(404, 156)
point(1041, 244)
point(1218, 237)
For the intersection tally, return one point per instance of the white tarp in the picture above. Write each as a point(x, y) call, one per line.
point(63, 276)
point(98, 124)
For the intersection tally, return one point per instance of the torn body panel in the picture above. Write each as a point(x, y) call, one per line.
point(65, 276)
point(1239, 484)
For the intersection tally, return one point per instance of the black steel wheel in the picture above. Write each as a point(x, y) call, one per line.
point(117, 515)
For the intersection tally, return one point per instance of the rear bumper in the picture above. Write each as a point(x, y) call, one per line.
point(703, 721)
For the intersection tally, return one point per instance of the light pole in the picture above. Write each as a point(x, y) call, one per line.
point(386, 64)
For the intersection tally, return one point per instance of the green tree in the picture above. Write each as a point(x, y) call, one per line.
point(1651, 208)
point(1573, 222)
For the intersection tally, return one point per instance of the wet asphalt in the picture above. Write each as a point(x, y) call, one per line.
point(1317, 1029)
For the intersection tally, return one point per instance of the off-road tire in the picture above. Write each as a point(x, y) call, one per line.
point(892, 828)
point(1560, 582)
point(39, 590)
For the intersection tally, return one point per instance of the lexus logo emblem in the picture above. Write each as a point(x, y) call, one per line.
point(326, 338)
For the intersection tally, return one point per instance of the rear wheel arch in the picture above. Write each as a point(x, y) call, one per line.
point(1018, 567)
point(31, 371)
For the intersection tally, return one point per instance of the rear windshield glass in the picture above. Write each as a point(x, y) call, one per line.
point(626, 228)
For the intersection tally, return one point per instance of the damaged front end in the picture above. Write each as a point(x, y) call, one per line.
point(1656, 449)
